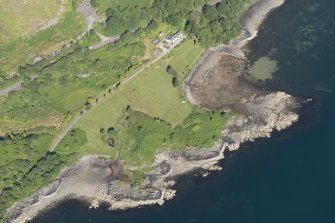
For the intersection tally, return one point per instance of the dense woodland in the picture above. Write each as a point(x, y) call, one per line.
point(210, 24)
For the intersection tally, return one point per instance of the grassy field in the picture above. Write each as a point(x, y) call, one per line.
point(151, 92)
point(21, 18)
point(21, 21)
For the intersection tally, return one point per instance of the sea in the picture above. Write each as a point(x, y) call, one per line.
point(289, 177)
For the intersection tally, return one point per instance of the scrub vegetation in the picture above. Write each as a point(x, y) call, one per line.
point(146, 136)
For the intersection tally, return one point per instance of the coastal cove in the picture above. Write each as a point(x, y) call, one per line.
point(288, 178)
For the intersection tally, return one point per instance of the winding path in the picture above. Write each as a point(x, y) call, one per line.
point(11, 88)
point(62, 135)
point(15, 86)
point(105, 40)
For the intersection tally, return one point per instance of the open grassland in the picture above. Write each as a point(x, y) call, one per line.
point(22, 114)
point(21, 18)
point(19, 50)
point(151, 92)
point(183, 58)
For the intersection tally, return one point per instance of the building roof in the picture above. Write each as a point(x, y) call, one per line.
point(175, 36)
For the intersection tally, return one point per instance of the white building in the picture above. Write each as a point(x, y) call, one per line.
point(172, 38)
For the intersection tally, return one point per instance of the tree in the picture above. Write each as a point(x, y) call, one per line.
point(175, 82)
point(89, 100)
point(171, 71)
point(110, 130)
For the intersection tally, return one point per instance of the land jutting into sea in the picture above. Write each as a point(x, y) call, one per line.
point(255, 113)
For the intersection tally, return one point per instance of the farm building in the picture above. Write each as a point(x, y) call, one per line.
point(172, 38)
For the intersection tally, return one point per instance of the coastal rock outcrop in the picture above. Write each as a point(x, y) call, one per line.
point(261, 116)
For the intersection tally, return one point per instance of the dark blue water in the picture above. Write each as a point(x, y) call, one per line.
point(288, 178)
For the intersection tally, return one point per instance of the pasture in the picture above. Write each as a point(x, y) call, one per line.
point(151, 92)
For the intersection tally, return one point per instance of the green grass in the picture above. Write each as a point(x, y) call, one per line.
point(72, 142)
point(182, 59)
point(146, 136)
point(19, 18)
point(62, 88)
point(22, 114)
point(151, 92)
point(22, 49)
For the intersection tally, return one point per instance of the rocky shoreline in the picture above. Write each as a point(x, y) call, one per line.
point(262, 114)
point(272, 112)
point(250, 22)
